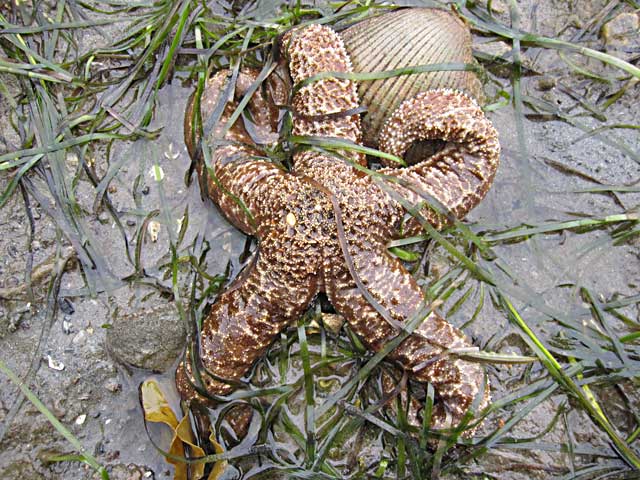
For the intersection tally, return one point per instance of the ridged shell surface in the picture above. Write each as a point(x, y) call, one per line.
point(404, 38)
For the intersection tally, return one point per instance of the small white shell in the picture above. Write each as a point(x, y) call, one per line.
point(153, 229)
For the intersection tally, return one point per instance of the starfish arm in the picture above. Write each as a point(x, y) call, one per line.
point(235, 176)
point(322, 107)
point(424, 352)
point(458, 176)
point(242, 187)
point(264, 114)
point(269, 294)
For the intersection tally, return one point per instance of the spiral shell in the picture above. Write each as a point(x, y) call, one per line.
point(405, 38)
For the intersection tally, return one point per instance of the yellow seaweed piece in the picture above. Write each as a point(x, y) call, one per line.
point(220, 466)
point(157, 410)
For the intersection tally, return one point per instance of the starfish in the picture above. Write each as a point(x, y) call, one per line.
point(324, 225)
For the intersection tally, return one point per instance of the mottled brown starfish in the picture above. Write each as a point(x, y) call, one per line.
point(324, 225)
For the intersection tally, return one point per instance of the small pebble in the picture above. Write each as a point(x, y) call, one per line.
point(497, 6)
point(53, 364)
point(81, 419)
point(12, 250)
point(79, 338)
point(67, 327)
point(24, 308)
point(621, 35)
point(113, 385)
point(66, 306)
point(621, 30)
point(58, 410)
point(72, 158)
point(333, 322)
point(493, 49)
point(545, 83)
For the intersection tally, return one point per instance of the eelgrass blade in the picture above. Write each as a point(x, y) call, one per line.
point(309, 392)
point(84, 456)
point(484, 22)
point(556, 371)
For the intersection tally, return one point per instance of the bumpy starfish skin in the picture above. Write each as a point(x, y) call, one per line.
point(468, 161)
point(324, 226)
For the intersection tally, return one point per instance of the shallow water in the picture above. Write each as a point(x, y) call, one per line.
point(549, 273)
